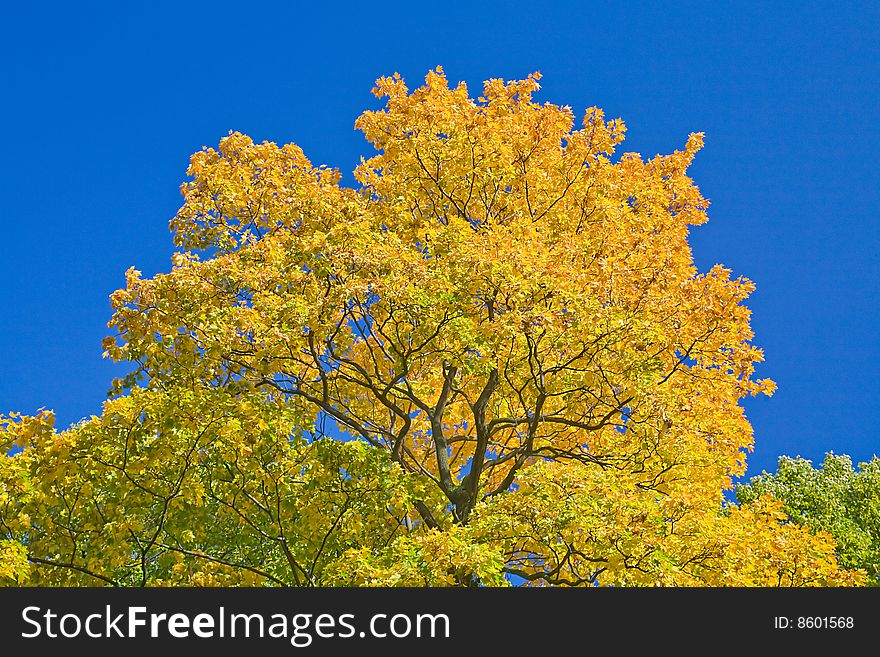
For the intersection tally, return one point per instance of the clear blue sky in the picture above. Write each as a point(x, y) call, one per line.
point(103, 105)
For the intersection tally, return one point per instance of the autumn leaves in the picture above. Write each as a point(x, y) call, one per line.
point(503, 317)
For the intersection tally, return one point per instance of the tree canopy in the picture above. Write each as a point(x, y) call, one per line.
point(835, 498)
point(493, 361)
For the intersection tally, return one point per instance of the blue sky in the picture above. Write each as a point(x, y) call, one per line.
point(103, 105)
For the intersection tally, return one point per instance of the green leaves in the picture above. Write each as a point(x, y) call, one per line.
point(835, 498)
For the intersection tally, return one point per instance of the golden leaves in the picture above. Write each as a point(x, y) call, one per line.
point(14, 566)
point(505, 324)
point(610, 528)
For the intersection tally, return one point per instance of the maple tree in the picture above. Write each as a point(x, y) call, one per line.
point(494, 361)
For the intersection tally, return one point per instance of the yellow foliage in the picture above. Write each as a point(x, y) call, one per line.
point(505, 320)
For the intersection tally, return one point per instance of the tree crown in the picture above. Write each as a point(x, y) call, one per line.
point(493, 358)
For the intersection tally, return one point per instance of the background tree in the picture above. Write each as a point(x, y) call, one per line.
point(494, 358)
point(834, 498)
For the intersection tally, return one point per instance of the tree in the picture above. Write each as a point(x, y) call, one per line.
point(833, 498)
point(493, 361)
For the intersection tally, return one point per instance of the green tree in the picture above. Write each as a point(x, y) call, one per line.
point(835, 498)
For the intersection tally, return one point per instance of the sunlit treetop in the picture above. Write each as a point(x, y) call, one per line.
point(501, 326)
